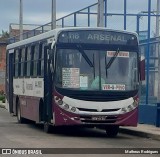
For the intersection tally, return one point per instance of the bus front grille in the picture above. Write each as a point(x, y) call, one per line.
point(95, 110)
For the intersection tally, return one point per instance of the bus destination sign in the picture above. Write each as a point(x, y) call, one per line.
point(99, 37)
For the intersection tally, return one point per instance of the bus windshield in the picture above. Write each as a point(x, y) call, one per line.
point(107, 70)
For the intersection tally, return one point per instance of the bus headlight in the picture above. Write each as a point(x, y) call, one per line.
point(129, 108)
point(60, 102)
point(65, 106)
point(135, 103)
point(73, 109)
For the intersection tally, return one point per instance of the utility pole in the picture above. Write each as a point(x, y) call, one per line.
point(157, 18)
point(157, 51)
point(53, 23)
point(100, 17)
point(21, 20)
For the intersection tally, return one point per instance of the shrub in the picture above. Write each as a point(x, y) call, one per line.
point(3, 101)
point(2, 98)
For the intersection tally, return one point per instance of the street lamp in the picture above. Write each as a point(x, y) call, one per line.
point(53, 23)
point(157, 18)
point(100, 17)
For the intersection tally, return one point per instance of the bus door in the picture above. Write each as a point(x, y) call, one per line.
point(48, 112)
point(9, 81)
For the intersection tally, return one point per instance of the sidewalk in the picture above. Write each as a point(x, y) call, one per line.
point(143, 130)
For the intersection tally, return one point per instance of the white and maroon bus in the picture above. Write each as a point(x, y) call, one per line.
point(75, 76)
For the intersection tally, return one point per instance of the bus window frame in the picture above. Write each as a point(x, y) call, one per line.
point(41, 59)
point(28, 61)
point(22, 61)
point(16, 62)
point(38, 61)
point(31, 60)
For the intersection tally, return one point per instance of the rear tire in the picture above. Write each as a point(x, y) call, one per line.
point(112, 130)
point(19, 118)
point(41, 116)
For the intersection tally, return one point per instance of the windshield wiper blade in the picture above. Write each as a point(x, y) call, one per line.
point(112, 59)
point(84, 55)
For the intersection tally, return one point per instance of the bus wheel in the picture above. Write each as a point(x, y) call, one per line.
point(47, 127)
point(19, 118)
point(41, 116)
point(112, 130)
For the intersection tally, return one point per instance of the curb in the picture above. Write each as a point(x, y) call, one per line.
point(139, 133)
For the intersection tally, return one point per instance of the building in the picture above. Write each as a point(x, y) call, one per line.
point(29, 30)
point(3, 45)
point(13, 31)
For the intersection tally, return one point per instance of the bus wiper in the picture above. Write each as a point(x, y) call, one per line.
point(84, 55)
point(111, 60)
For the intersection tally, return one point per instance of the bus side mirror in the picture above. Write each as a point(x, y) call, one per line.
point(53, 45)
point(53, 48)
point(142, 70)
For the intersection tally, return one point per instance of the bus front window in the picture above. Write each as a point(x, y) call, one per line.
point(122, 73)
point(79, 69)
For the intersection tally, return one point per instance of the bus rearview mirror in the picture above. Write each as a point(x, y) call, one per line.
point(142, 70)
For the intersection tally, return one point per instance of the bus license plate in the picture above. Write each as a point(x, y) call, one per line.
point(99, 118)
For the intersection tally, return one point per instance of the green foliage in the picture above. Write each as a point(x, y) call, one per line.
point(5, 34)
point(3, 101)
point(2, 96)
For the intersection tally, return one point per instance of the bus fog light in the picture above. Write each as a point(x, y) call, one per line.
point(66, 106)
point(73, 109)
point(60, 102)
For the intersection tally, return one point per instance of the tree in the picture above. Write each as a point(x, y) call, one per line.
point(5, 34)
point(4, 37)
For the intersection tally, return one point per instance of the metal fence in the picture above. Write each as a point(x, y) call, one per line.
point(150, 91)
point(129, 15)
point(118, 14)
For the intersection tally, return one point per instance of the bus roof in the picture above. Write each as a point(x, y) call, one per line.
point(53, 34)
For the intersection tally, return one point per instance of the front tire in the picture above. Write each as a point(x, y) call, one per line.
point(112, 130)
point(47, 127)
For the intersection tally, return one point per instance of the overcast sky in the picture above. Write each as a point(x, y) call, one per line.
point(39, 11)
point(36, 11)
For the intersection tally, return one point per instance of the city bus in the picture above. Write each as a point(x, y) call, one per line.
point(75, 77)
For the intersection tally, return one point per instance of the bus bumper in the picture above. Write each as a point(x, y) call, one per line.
point(63, 117)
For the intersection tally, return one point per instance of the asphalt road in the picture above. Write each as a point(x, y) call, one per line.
point(14, 135)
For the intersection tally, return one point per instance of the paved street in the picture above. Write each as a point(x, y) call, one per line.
point(14, 135)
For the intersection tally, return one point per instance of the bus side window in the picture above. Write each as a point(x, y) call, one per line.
point(41, 60)
point(16, 63)
point(35, 60)
point(22, 61)
point(28, 60)
point(33, 65)
point(32, 58)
